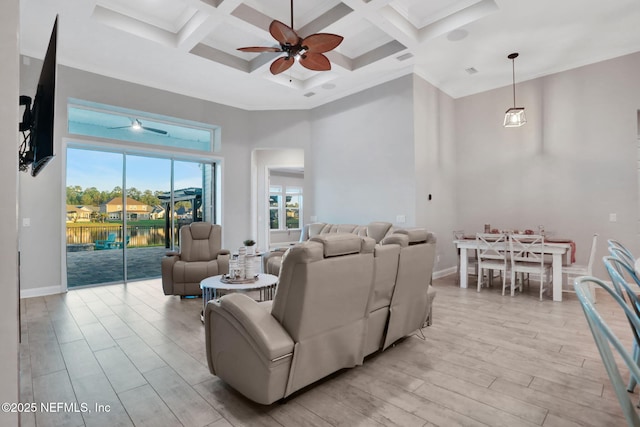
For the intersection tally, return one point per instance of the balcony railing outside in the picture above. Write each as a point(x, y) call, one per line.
point(83, 238)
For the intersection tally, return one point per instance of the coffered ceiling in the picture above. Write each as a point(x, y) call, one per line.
point(459, 46)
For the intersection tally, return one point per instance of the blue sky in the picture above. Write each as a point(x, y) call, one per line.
point(103, 170)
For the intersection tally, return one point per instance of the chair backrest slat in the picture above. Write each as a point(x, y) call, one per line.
point(527, 248)
point(491, 246)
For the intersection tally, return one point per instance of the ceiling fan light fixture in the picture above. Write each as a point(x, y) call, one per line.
point(136, 125)
point(308, 51)
point(514, 117)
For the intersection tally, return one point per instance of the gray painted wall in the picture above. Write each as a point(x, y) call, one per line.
point(435, 166)
point(361, 160)
point(9, 118)
point(568, 168)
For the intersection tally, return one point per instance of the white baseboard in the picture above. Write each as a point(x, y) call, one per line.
point(40, 292)
point(445, 272)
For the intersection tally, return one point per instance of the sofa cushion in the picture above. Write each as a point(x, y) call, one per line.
point(396, 239)
point(314, 229)
point(415, 235)
point(378, 230)
point(195, 271)
point(337, 244)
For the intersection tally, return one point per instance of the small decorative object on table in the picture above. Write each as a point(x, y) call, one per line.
point(228, 279)
point(241, 267)
point(251, 246)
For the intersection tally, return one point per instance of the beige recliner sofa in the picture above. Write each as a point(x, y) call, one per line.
point(315, 326)
point(200, 257)
point(340, 297)
point(377, 230)
point(402, 297)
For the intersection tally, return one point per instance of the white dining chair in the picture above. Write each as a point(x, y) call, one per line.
point(472, 261)
point(527, 257)
point(574, 270)
point(492, 255)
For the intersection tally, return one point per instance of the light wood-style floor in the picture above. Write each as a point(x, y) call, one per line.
point(487, 360)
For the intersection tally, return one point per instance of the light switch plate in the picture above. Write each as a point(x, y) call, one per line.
point(613, 217)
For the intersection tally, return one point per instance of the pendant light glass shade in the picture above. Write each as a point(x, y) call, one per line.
point(514, 117)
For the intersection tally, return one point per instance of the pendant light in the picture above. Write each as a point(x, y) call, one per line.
point(514, 117)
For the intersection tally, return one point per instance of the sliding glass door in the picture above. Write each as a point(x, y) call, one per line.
point(115, 235)
point(146, 178)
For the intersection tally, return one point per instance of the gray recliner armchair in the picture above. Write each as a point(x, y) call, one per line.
point(316, 324)
point(200, 257)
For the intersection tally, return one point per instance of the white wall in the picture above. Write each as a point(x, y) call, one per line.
point(361, 162)
point(9, 118)
point(568, 168)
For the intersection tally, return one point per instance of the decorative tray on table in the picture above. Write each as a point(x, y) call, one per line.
point(228, 279)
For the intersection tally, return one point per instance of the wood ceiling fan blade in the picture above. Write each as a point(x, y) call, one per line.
point(281, 64)
point(315, 61)
point(283, 33)
point(321, 42)
point(259, 49)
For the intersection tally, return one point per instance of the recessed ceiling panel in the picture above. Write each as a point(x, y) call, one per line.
point(304, 11)
point(422, 13)
point(228, 38)
point(360, 36)
point(169, 15)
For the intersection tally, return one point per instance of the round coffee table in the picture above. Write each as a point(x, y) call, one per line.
point(266, 284)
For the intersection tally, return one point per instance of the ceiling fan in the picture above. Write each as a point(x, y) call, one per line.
point(137, 125)
point(309, 51)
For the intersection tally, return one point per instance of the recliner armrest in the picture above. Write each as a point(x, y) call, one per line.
point(224, 252)
point(269, 336)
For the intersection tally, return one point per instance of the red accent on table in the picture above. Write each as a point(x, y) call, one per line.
point(571, 242)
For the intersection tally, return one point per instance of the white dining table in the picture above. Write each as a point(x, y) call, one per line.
point(560, 253)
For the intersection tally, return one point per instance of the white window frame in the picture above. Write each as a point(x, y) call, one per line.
point(282, 191)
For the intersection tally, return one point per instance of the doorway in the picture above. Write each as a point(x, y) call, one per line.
point(268, 166)
point(124, 212)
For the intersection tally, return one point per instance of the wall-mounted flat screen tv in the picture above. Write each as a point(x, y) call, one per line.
point(39, 121)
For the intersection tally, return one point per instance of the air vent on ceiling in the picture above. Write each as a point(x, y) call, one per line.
point(471, 70)
point(404, 56)
point(309, 94)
